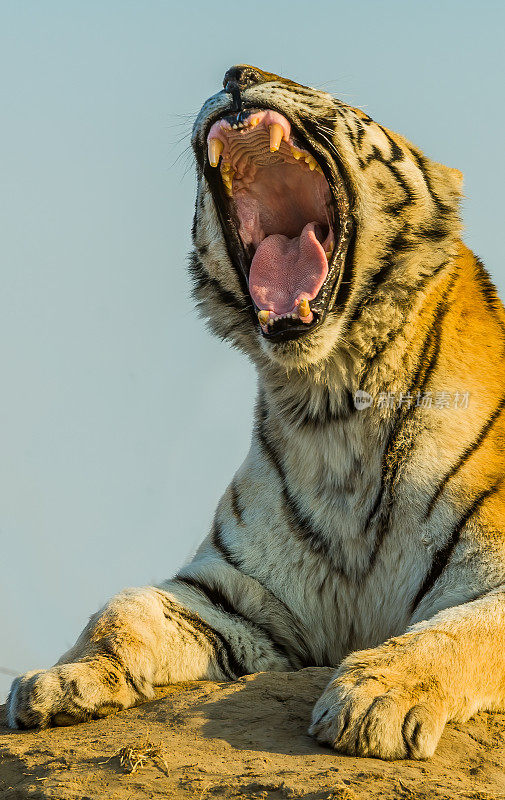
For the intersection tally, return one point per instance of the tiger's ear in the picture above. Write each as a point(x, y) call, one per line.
point(457, 178)
point(453, 178)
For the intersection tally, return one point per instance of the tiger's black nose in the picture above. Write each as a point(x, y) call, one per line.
point(239, 78)
point(242, 76)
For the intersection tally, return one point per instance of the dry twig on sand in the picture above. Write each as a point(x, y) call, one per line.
point(133, 758)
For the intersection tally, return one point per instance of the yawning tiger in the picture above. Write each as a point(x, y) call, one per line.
point(365, 528)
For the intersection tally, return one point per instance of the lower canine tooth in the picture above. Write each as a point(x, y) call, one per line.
point(276, 134)
point(214, 148)
point(263, 317)
point(304, 308)
point(227, 173)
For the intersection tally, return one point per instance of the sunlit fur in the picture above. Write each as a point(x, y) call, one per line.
point(378, 530)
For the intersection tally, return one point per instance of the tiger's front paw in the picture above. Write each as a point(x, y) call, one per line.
point(374, 707)
point(67, 694)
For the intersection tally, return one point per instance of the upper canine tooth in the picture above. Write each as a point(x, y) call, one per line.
point(276, 134)
point(263, 317)
point(304, 308)
point(214, 148)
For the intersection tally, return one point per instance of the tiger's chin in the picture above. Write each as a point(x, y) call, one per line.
point(284, 213)
point(314, 349)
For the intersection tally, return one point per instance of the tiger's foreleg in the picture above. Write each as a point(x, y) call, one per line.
point(142, 638)
point(393, 701)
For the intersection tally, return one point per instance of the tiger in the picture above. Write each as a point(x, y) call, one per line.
point(365, 529)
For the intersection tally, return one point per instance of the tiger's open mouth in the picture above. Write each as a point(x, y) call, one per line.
point(284, 224)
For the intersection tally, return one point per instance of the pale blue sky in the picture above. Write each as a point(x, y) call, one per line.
point(122, 421)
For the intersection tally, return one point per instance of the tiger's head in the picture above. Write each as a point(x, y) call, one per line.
point(307, 210)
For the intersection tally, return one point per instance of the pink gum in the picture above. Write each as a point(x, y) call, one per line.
point(221, 128)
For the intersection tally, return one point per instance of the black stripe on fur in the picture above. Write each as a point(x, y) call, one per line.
point(235, 503)
point(442, 557)
point(301, 525)
point(401, 438)
point(228, 558)
point(422, 163)
point(216, 597)
point(231, 666)
point(202, 280)
point(490, 295)
point(219, 545)
point(465, 455)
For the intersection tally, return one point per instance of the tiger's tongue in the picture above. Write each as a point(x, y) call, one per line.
point(285, 271)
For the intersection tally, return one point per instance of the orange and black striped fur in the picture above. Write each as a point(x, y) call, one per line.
point(369, 538)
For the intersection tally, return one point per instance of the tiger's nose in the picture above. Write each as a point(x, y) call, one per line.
point(242, 76)
point(237, 79)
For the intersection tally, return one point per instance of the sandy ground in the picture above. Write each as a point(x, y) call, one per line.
point(241, 740)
